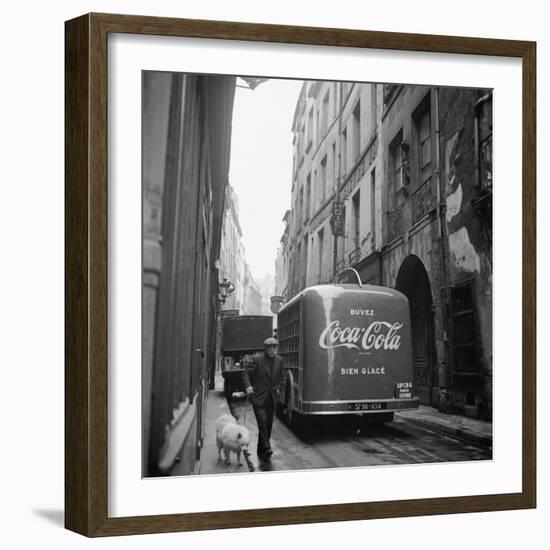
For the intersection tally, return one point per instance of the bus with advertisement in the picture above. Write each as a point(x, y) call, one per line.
point(346, 349)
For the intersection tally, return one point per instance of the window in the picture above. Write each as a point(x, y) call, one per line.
point(301, 206)
point(388, 91)
point(484, 137)
point(308, 200)
point(344, 151)
point(463, 329)
point(323, 179)
point(315, 187)
point(395, 169)
point(324, 113)
point(318, 126)
point(373, 107)
point(309, 128)
point(423, 139)
point(334, 174)
point(356, 133)
point(356, 219)
point(301, 142)
point(308, 186)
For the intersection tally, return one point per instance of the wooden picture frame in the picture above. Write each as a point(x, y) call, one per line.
point(86, 282)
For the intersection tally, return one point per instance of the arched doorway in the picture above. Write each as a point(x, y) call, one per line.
point(414, 282)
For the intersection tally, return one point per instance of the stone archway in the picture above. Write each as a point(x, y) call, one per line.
point(414, 282)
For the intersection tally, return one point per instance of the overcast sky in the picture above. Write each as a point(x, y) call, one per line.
point(261, 166)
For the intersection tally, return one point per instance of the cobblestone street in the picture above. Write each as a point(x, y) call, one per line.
point(420, 436)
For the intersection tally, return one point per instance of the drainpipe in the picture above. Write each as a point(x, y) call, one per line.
point(442, 228)
point(337, 179)
point(440, 191)
point(438, 179)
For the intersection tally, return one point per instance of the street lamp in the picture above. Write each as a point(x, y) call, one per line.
point(276, 303)
point(226, 288)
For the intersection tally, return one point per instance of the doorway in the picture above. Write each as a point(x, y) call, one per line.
point(414, 282)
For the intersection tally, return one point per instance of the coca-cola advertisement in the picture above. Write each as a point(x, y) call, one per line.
point(379, 334)
point(359, 339)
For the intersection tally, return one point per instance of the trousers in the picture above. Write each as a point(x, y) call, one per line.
point(264, 419)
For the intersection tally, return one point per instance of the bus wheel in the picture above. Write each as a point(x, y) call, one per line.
point(280, 410)
point(291, 416)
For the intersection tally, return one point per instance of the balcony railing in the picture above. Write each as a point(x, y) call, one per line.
point(486, 163)
point(354, 256)
point(395, 223)
point(349, 260)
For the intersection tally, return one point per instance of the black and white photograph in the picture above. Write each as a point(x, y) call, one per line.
point(259, 290)
point(317, 274)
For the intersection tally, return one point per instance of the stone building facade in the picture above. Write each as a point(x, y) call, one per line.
point(335, 160)
point(246, 297)
point(252, 304)
point(281, 271)
point(410, 167)
point(232, 251)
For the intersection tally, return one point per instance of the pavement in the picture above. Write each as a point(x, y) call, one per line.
point(476, 431)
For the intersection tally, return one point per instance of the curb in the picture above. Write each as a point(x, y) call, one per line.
point(482, 440)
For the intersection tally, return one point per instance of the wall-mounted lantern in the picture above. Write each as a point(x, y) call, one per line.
point(276, 303)
point(226, 288)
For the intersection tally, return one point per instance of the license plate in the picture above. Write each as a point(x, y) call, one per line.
point(373, 406)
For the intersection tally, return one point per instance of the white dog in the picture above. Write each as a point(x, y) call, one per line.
point(231, 436)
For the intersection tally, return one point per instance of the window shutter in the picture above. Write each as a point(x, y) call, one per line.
point(463, 330)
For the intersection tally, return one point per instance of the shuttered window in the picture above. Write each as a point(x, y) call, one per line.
point(462, 329)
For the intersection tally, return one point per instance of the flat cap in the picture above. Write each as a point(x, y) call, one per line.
point(271, 342)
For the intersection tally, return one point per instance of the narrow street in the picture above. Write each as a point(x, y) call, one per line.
point(363, 253)
point(330, 442)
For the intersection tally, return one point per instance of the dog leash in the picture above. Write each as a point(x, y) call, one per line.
point(246, 454)
point(245, 407)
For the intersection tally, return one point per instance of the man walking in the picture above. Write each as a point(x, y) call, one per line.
point(261, 379)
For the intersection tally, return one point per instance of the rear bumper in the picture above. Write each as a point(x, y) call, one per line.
point(358, 406)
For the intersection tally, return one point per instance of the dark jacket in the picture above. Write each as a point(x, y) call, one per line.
point(264, 375)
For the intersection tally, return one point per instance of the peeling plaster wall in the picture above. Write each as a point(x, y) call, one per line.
point(454, 202)
point(469, 239)
point(463, 252)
